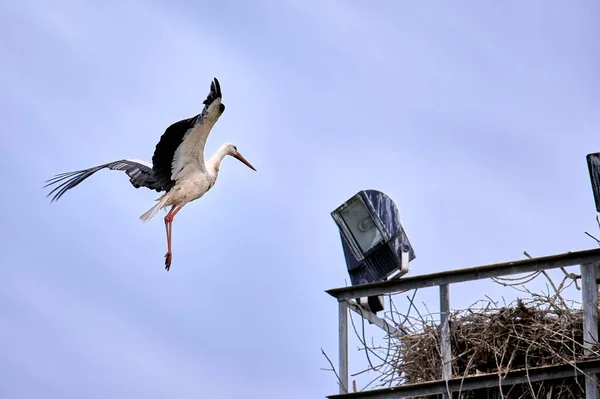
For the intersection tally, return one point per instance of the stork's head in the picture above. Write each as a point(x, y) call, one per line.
point(213, 105)
point(231, 149)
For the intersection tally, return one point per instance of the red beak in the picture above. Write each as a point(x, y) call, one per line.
point(241, 158)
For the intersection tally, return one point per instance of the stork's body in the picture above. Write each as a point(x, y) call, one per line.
point(178, 167)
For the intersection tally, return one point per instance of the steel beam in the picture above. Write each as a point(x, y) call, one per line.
point(478, 382)
point(445, 347)
point(469, 274)
point(372, 318)
point(343, 349)
point(589, 299)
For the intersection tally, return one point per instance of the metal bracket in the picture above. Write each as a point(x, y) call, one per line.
point(372, 318)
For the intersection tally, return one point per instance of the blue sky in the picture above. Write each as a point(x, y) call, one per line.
point(474, 117)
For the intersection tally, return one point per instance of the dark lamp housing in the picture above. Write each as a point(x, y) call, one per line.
point(375, 245)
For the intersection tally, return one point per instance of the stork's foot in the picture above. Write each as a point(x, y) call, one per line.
point(168, 257)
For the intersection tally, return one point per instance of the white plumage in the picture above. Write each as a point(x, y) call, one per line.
point(178, 167)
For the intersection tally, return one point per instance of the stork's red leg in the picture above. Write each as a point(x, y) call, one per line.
point(169, 228)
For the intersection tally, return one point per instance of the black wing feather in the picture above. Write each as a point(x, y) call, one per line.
point(162, 160)
point(215, 92)
point(139, 174)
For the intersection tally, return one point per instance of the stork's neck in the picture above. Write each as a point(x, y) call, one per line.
point(214, 163)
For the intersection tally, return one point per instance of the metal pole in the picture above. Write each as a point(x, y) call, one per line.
point(589, 294)
point(445, 334)
point(343, 350)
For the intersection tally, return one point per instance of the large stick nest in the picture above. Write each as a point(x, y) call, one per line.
point(541, 329)
point(541, 332)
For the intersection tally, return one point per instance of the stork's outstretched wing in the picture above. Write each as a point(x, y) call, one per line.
point(140, 175)
point(183, 142)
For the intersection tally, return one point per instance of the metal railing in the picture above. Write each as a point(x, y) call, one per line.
point(588, 261)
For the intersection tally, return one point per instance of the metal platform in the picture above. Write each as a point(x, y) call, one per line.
point(588, 261)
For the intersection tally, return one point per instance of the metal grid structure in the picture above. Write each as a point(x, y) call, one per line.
point(588, 261)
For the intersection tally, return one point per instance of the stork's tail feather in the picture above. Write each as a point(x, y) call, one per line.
point(149, 214)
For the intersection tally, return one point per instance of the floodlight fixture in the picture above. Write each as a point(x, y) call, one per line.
point(376, 248)
point(593, 161)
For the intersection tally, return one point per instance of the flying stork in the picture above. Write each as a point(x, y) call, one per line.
point(178, 167)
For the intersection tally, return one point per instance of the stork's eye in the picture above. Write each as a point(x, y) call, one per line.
point(235, 148)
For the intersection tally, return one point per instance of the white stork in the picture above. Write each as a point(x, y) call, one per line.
point(178, 166)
